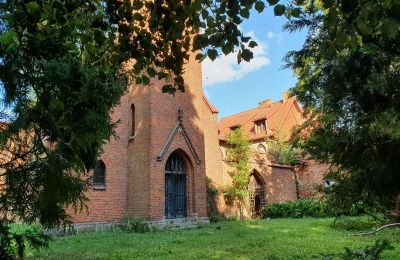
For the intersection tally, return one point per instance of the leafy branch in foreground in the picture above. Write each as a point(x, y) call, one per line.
point(348, 82)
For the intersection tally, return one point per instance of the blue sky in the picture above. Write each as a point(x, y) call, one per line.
point(232, 88)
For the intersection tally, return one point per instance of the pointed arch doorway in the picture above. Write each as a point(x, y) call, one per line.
point(256, 189)
point(175, 187)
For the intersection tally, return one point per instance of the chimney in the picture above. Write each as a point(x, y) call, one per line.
point(285, 96)
point(265, 102)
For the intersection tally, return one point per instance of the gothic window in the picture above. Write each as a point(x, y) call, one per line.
point(261, 148)
point(133, 119)
point(260, 126)
point(175, 187)
point(99, 175)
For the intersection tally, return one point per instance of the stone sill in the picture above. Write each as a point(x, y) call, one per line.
point(99, 187)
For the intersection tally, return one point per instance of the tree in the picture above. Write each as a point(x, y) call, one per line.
point(238, 155)
point(280, 148)
point(348, 82)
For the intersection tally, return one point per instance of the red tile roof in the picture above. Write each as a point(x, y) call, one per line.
point(211, 107)
point(279, 116)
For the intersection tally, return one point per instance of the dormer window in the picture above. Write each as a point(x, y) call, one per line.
point(233, 128)
point(260, 126)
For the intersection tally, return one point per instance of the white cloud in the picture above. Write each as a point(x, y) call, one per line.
point(225, 68)
point(270, 35)
point(277, 36)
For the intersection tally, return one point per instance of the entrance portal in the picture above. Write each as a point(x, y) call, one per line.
point(256, 196)
point(175, 187)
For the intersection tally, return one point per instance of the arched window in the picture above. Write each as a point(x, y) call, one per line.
point(261, 148)
point(133, 123)
point(99, 174)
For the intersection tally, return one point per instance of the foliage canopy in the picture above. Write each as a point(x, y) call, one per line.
point(348, 81)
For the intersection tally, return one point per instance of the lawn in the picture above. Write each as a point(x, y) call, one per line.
point(258, 239)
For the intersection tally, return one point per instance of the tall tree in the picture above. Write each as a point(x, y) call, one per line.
point(349, 83)
point(238, 155)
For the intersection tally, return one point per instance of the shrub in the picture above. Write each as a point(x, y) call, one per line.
point(351, 224)
point(296, 209)
point(135, 225)
point(14, 238)
point(308, 208)
point(212, 210)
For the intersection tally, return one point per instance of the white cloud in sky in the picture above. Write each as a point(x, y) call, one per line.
point(270, 35)
point(225, 68)
point(277, 36)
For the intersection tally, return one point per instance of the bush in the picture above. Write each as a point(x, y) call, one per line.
point(368, 253)
point(296, 209)
point(14, 238)
point(135, 225)
point(212, 209)
point(308, 208)
point(358, 224)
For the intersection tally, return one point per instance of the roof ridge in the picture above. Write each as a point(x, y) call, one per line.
point(280, 101)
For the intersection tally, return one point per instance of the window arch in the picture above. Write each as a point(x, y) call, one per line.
point(133, 120)
point(99, 174)
point(261, 148)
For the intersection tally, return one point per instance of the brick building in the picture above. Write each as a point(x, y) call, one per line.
point(166, 145)
point(155, 169)
point(270, 181)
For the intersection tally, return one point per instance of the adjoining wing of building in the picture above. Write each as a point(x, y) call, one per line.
point(271, 181)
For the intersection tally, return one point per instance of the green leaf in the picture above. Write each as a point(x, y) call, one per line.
point(272, 2)
point(138, 17)
point(279, 10)
point(33, 8)
point(390, 28)
point(253, 44)
point(145, 79)
point(259, 6)
point(328, 3)
point(245, 13)
point(247, 55)
point(8, 37)
point(227, 48)
point(245, 39)
point(138, 4)
point(295, 12)
point(204, 13)
point(152, 72)
point(199, 56)
point(212, 54)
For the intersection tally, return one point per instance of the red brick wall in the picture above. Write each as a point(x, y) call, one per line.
point(138, 153)
point(281, 185)
point(309, 177)
point(108, 205)
point(163, 119)
point(213, 154)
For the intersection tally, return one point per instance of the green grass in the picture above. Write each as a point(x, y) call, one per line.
point(258, 239)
